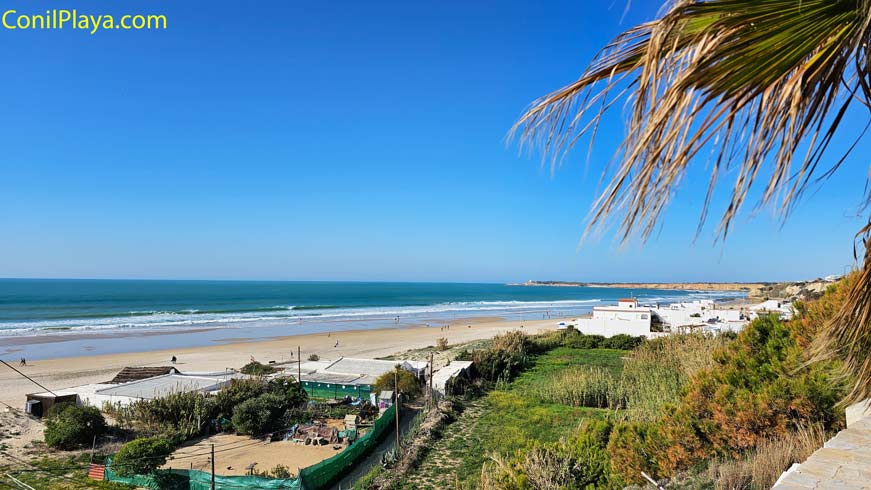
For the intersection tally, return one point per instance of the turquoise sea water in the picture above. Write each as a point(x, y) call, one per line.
point(50, 318)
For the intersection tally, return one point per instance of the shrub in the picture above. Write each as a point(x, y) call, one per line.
point(141, 456)
point(291, 392)
point(408, 382)
point(508, 355)
point(255, 368)
point(184, 413)
point(314, 357)
point(634, 448)
point(580, 462)
point(621, 342)
point(760, 388)
point(441, 344)
point(259, 415)
point(238, 391)
point(73, 427)
point(584, 341)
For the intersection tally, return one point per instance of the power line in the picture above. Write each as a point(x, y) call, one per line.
point(28, 377)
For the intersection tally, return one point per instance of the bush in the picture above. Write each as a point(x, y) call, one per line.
point(255, 368)
point(580, 462)
point(259, 415)
point(584, 341)
point(441, 344)
point(408, 383)
point(314, 357)
point(142, 456)
point(621, 342)
point(291, 392)
point(759, 388)
point(634, 448)
point(508, 355)
point(73, 427)
point(238, 391)
point(183, 413)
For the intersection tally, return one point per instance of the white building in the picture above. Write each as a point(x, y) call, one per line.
point(626, 318)
point(123, 394)
point(704, 314)
point(780, 308)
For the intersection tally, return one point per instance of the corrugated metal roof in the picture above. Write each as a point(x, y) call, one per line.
point(162, 386)
point(370, 367)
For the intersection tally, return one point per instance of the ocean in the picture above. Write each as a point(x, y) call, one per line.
point(54, 318)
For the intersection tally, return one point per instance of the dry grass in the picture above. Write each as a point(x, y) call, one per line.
point(775, 456)
point(655, 373)
point(761, 468)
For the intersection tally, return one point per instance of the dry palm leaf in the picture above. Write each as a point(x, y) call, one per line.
point(762, 84)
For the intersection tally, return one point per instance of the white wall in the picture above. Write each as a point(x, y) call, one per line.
point(610, 322)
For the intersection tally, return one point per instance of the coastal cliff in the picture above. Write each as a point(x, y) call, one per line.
point(762, 290)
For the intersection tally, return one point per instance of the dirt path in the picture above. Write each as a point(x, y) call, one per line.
point(438, 469)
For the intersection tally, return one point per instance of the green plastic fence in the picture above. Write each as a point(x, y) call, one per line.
point(319, 475)
point(199, 480)
point(325, 391)
point(315, 477)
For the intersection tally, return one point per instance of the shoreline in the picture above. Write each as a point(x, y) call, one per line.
point(66, 372)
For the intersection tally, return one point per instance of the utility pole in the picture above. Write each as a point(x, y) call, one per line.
point(431, 392)
point(396, 403)
point(213, 467)
point(299, 365)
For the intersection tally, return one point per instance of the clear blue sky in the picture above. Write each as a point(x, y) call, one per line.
point(342, 140)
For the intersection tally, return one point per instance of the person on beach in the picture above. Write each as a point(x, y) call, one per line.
point(337, 344)
point(23, 362)
point(173, 359)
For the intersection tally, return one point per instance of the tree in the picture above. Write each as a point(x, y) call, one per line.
point(74, 427)
point(289, 390)
point(141, 456)
point(259, 415)
point(409, 385)
point(761, 86)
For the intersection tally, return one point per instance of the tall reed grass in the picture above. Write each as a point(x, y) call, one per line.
point(653, 375)
point(579, 386)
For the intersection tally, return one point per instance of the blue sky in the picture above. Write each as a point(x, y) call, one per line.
point(343, 140)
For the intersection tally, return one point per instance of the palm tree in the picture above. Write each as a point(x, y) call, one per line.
point(760, 86)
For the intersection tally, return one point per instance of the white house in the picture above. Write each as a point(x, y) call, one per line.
point(626, 318)
point(678, 317)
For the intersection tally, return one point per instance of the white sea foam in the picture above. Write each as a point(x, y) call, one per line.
point(162, 320)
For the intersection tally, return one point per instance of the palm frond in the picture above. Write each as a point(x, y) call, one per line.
point(753, 80)
point(763, 85)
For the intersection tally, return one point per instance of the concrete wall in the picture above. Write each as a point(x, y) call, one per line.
point(613, 322)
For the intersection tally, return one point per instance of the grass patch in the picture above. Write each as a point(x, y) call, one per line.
point(509, 419)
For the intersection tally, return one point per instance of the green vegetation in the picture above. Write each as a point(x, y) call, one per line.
point(705, 412)
point(255, 368)
point(142, 456)
point(507, 421)
point(259, 415)
point(73, 427)
point(181, 416)
point(59, 473)
point(409, 385)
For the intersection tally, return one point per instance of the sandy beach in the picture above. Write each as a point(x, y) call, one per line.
point(74, 371)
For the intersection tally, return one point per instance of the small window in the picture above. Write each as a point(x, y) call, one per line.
point(644, 316)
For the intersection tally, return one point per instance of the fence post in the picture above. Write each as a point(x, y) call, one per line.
point(213, 467)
